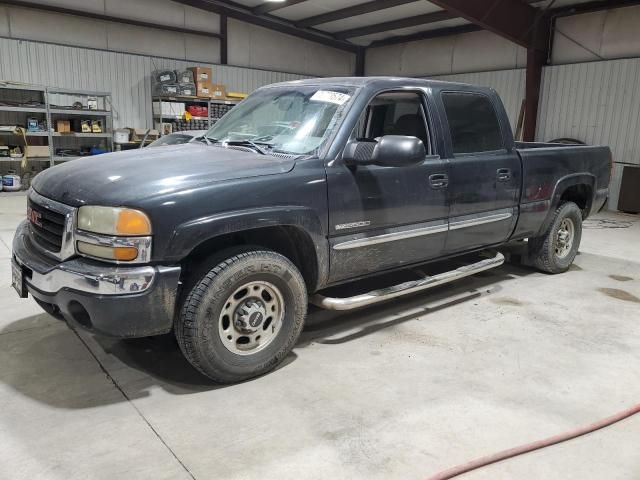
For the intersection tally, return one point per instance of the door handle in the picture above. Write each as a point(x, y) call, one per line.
point(503, 174)
point(438, 180)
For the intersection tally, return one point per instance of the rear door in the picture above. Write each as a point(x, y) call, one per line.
point(387, 217)
point(484, 171)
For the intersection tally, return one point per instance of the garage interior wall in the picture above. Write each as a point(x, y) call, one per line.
point(590, 92)
point(126, 76)
point(76, 52)
point(248, 45)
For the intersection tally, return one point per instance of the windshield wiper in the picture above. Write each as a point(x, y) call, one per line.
point(248, 143)
point(203, 138)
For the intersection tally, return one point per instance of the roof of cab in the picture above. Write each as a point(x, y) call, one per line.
point(381, 83)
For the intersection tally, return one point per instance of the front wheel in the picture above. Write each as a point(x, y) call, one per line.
point(555, 251)
point(243, 317)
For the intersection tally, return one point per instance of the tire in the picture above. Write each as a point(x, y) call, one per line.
point(50, 309)
point(243, 317)
point(551, 252)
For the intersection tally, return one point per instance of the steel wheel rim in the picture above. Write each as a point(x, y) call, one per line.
point(564, 238)
point(251, 317)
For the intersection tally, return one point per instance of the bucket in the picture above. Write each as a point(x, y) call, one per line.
point(11, 182)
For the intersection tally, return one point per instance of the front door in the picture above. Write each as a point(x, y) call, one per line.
point(484, 173)
point(387, 217)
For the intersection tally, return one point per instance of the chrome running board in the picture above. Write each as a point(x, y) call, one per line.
point(384, 294)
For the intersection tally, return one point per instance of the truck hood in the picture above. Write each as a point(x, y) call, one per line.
point(121, 178)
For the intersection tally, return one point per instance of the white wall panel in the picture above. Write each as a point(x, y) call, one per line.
point(94, 6)
point(257, 47)
point(607, 34)
point(197, 19)
point(146, 41)
point(598, 103)
point(42, 26)
point(152, 11)
point(163, 12)
point(476, 51)
point(126, 76)
point(202, 49)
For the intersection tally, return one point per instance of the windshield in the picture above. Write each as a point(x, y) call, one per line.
point(289, 119)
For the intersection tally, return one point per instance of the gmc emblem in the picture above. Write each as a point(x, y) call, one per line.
point(34, 217)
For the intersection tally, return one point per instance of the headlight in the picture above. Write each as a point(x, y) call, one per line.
point(114, 233)
point(113, 221)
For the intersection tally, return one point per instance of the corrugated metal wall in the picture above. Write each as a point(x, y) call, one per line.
point(126, 76)
point(508, 83)
point(598, 103)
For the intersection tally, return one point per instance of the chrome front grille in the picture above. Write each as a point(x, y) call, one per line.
point(47, 226)
point(51, 225)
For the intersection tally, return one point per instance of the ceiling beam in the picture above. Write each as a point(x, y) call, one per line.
point(244, 14)
point(514, 20)
point(427, 34)
point(349, 12)
point(267, 7)
point(395, 24)
point(105, 18)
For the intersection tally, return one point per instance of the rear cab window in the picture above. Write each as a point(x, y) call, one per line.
point(473, 123)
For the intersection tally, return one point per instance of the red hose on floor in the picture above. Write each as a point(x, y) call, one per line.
point(530, 447)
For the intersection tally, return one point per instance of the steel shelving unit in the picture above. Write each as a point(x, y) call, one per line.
point(48, 104)
point(211, 104)
point(17, 103)
point(62, 109)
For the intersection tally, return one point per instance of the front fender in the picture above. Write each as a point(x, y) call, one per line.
point(189, 235)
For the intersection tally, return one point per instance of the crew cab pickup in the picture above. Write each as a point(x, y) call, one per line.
point(303, 186)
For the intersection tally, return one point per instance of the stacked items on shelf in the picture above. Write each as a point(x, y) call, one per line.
point(23, 134)
point(82, 122)
point(218, 109)
point(173, 83)
point(173, 112)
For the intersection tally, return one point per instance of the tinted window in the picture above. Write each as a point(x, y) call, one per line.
point(473, 123)
point(395, 113)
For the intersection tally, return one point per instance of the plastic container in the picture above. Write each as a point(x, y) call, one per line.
point(11, 182)
point(121, 135)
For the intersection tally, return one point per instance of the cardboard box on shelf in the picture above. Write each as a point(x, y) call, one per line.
point(203, 89)
point(202, 74)
point(137, 134)
point(218, 91)
point(63, 126)
point(37, 151)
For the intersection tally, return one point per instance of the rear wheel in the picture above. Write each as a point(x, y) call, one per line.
point(555, 251)
point(243, 317)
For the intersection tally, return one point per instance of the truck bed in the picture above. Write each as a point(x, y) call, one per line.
point(546, 167)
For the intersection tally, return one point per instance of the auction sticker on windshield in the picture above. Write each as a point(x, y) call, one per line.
point(330, 97)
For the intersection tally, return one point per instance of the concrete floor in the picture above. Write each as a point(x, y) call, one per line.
point(393, 392)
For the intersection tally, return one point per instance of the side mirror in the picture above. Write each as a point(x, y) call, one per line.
point(388, 151)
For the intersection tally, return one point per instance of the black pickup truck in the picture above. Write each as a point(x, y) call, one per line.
point(303, 186)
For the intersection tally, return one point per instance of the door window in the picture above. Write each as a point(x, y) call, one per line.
point(473, 122)
point(395, 113)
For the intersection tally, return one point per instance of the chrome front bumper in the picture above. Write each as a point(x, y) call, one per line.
point(121, 301)
point(48, 276)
